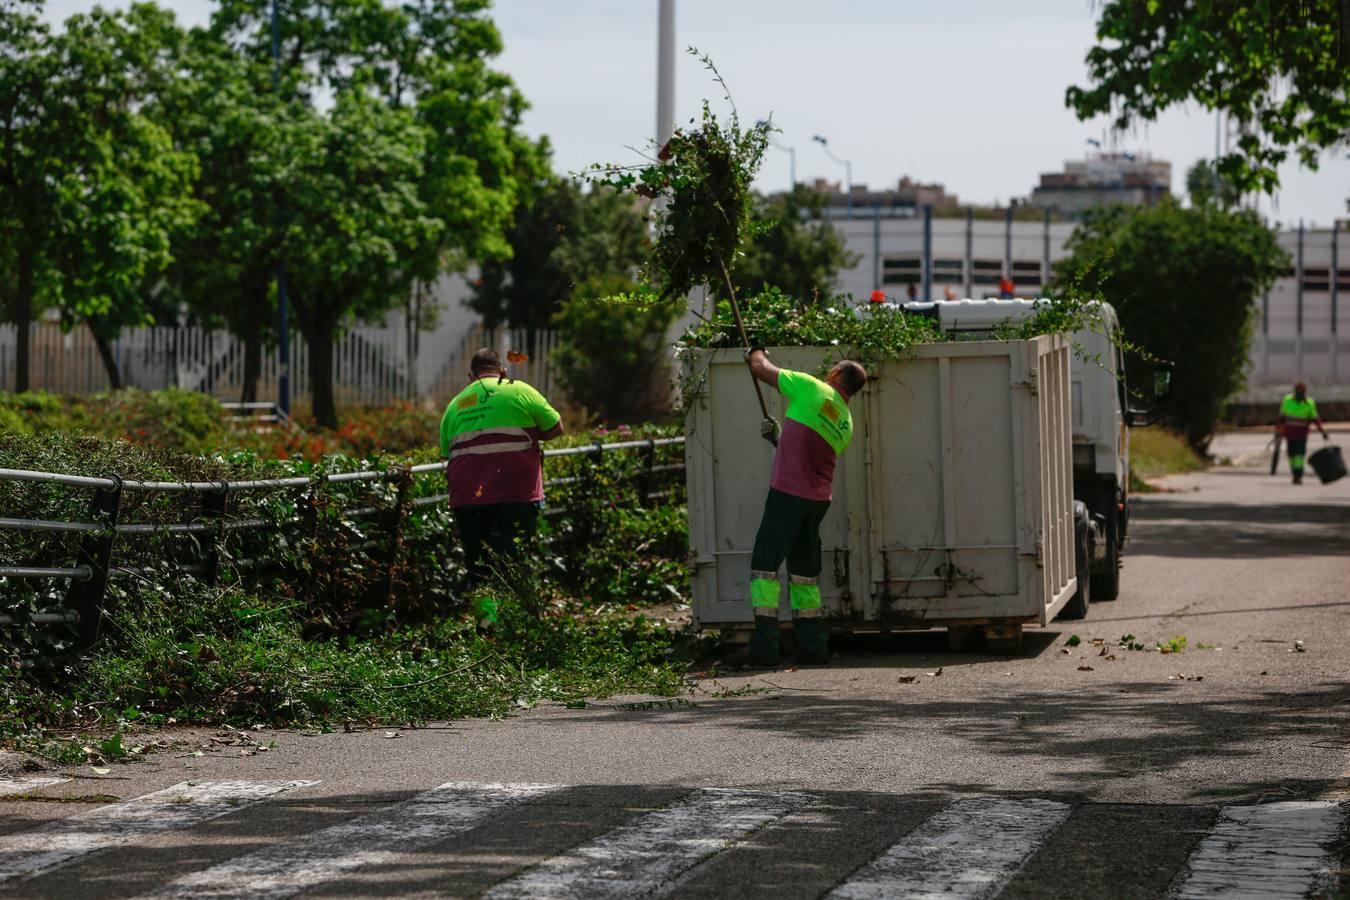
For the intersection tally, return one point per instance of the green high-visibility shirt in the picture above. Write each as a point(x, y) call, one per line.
point(490, 433)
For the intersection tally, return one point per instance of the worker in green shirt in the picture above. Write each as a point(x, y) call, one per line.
point(490, 437)
point(816, 428)
point(1298, 413)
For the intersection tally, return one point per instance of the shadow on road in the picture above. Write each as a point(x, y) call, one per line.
point(1185, 528)
point(1121, 730)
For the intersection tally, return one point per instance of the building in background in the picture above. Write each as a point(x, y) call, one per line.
point(1134, 179)
point(1300, 330)
point(907, 197)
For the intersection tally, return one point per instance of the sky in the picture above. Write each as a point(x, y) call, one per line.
point(967, 93)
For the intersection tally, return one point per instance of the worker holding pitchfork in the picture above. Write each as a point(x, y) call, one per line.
point(816, 428)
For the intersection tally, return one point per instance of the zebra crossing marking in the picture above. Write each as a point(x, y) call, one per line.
point(183, 805)
point(10, 786)
point(642, 856)
point(969, 850)
point(286, 869)
point(1274, 850)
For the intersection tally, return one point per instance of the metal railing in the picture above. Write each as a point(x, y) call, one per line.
point(94, 567)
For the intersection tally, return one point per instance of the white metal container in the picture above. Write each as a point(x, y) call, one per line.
point(953, 506)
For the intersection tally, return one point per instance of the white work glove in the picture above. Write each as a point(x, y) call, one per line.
point(769, 430)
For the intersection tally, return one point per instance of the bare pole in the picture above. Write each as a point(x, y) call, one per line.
point(665, 73)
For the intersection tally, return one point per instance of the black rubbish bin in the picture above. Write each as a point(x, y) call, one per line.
point(1328, 464)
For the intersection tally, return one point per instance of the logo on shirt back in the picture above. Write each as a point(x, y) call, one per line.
point(829, 411)
point(467, 402)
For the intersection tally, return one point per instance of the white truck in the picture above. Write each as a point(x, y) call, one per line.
point(1102, 418)
point(986, 482)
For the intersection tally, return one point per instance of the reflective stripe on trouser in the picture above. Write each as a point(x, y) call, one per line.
point(788, 532)
point(764, 590)
point(804, 592)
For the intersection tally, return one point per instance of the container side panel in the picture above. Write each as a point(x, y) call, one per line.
point(905, 438)
point(985, 550)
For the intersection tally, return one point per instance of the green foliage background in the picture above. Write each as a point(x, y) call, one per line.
point(1184, 283)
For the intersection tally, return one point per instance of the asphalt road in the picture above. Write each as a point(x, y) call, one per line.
point(903, 770)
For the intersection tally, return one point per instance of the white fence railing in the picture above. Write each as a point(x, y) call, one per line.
point(371, 364)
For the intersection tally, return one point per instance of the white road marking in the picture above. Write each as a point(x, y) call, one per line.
point(286, 869)
point(184, 805)
point(969, 850)
point(1273, 850)
point(10, 786)
point(643, 856)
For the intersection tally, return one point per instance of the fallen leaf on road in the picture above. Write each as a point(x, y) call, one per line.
point(1073, 641)
point(392, 734)
point(1299, 648)
point(1103, 652)
point(1265, 673)
point(98, 770)
point(937, 673)
point(1110, 656)
point(1085, 669)
point(1065, 650)
point(907, 679)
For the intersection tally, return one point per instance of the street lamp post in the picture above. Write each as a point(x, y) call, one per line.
point(792, 156)
point(283, 317)
point(848, 170)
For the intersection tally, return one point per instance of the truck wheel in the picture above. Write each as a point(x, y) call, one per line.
point(1106, 580)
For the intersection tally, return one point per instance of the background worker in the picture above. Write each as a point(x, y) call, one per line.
point(490, 435)
point(1298, 413)
point(817, 427)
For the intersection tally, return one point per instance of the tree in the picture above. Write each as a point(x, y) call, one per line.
point(1281, 68)
point(26, 68)
point(354, 216)
point(93, 188)
point(1205, 185)
point(427, 62)
point(793, 248)
point(610, 355)
point(562, 237)
point(225, 113)
point(1183, 282)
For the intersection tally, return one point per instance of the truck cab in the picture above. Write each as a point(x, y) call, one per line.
point(1101, 420)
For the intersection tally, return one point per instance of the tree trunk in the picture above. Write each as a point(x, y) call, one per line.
point(319, 337)
point(253, 348)
point(109, 360)
point(21, 311)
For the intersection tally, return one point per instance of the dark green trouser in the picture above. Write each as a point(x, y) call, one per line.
point(491, 532)
point(790, 530)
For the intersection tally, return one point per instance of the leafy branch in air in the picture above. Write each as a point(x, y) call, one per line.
point(701, 182)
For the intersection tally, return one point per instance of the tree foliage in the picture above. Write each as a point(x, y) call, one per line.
point(1281, 68)
point(701, 180)
point(93, 188)
point(611, 356)
point(361, 225)
point(562, 238)
point(793, 249)
point(1184, 282)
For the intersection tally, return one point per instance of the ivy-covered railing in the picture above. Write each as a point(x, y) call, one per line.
point(399, 495)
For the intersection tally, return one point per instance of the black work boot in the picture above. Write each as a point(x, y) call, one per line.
point(763, 649)
point(813, 642)
point(1298, 476)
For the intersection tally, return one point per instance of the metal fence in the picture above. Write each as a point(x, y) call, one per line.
point(95, 558)
point(372, 365)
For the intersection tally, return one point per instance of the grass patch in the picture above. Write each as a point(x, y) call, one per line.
point(221, 656)
point(1155, 452)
